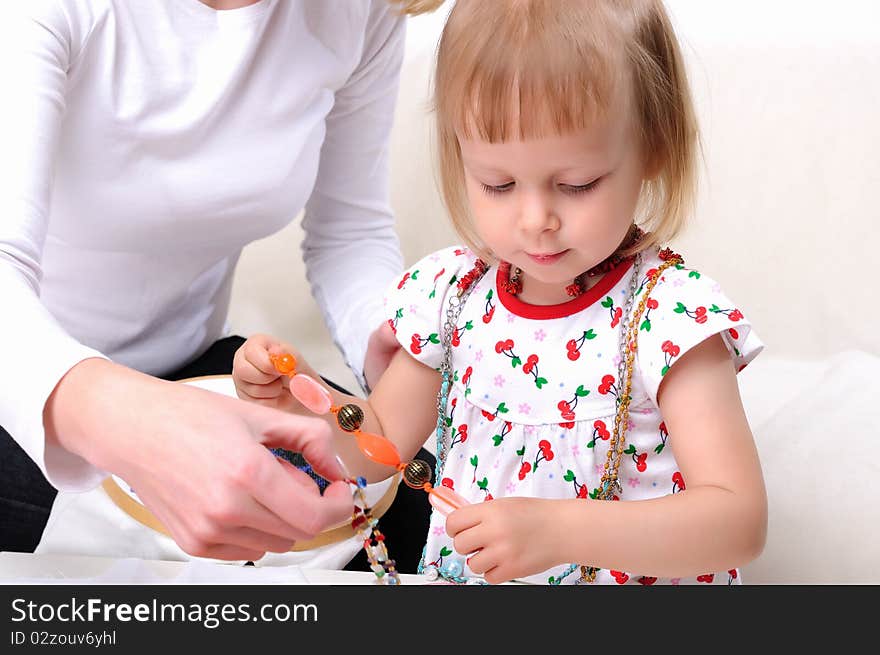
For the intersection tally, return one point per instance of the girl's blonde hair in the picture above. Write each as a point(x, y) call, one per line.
point(416, 7)
point(509, 69)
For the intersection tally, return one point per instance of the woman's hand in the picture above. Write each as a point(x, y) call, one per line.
point(200, 460)
point(509, 537)
point(381, 348)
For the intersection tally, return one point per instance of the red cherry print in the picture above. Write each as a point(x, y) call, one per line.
point(563, 406)
point(571, 345)
point(605, 387)
point(574, 355)
point(735, 315)
point(463, 432)
point(487, 415)
point(652, 303)
point(640, 463)
point(602, 430)
point(456, 338)
point(733, 333)
point(678, 480)
point(403, 281)
point(489, 497)
point(488, 316)
point(620, 577)
point(618, 312)
point(582, 492)
point(467, 375)
point(416, 346)
point(670, 348)
point(733, 573)
point(567, 426)
point(447, 482)
point(530, 364)
point(647, 580)
point(708, 578)
point(568, 416)
point(499, 347)
point(546, 450)
point(524, 469)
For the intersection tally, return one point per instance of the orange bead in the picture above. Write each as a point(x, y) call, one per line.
point(284, 364)
point(378, 449)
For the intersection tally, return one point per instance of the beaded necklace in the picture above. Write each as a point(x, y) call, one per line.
point(416, 473)
point(512, 283)
point(609, 488)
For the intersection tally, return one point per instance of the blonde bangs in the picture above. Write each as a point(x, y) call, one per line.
point(524, 69)
point(516, 78)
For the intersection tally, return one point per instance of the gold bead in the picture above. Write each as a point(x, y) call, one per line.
point(416, 474)
point(350, 417)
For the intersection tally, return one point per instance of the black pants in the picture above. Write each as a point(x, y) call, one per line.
point(26, 496)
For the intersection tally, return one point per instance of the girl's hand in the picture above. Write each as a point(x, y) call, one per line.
point(509, 537)
point(200, 461)
point(256, 379)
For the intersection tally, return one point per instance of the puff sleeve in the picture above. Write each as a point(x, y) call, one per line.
point(684, 309)
point(416, 302)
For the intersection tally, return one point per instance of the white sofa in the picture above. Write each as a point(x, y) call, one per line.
point(787, 94)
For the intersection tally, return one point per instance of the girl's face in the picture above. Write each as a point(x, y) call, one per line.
point(554, 206)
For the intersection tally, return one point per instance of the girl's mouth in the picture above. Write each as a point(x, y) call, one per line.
point(547, 258)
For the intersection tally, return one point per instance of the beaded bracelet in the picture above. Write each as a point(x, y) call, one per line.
point(416, 473)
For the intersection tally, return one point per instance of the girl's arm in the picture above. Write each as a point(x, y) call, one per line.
point(720, 520)
point(717, 523)
point(402, 407)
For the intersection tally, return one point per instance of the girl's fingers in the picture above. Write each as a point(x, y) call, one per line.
point(253, 391)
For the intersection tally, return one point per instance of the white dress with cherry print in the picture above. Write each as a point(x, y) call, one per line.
point(534, 389)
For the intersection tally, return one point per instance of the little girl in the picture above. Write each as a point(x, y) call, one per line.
point(565, 359)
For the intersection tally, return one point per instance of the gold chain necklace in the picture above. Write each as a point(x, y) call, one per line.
point(629, 345)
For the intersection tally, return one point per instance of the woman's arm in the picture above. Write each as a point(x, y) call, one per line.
point(351, 250)
point(198, 461)
point(718, 522)
point(38, 42)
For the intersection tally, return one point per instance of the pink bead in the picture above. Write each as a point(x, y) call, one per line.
point(445, 500)
point(310, 393)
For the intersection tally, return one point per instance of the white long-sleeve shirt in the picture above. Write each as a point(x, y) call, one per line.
point(145, 143)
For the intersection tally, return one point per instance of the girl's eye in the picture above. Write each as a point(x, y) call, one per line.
point(582, 188)
point(501, 188)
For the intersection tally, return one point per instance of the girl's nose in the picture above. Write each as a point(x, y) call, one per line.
point(537, 214)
